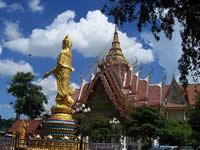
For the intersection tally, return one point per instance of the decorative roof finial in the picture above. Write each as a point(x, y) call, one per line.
point(116, 43)
point(115, 38)
point(115, 27)
point(115, 55)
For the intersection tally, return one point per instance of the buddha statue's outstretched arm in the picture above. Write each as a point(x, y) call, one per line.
point(48, 73)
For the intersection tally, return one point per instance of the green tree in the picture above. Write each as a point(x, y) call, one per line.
point(98, 128)
point(5, 124)
point(29, 97)
point(179, 132)
point(194, 113)
point(160, 15)
point(84, 124)
point(101, 129)
point(146, 123)
point(83, 127)
point(194, 120)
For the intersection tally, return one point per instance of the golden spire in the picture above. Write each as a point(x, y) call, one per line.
point(115, 43)
point(115, 55)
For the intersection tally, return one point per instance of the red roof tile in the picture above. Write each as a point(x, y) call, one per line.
point(31, 129)
point(142, 88)
point(191, 92)
point(154, 93)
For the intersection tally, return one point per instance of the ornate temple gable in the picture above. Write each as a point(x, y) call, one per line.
point(171, 108)
point(190, 91)
point(111, 86)
point(135, 93)
point(100, 102)
point(114, 82)
point(174, 94)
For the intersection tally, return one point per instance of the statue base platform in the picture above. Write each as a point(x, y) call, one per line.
point(59, 128)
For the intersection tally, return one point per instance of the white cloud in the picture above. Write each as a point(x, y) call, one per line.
point(11, 7)
point(9, 67)
point(49, 88)
point(167, 51)
point(35, 5)
point(133, 48)
point(89, 36)
point(11, 31)
point(48, 85)
point(75, 86)
point(51, 103)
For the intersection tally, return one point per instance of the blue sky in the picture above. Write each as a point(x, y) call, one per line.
point(37, 27)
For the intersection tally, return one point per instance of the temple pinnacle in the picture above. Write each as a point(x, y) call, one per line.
point(115, 43)
point(115, 55)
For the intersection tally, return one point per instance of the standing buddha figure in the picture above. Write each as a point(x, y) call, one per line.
point(62, 72)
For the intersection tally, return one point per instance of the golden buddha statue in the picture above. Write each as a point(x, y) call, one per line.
point(62, 72)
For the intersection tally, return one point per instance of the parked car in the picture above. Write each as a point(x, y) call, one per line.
point(163, 147)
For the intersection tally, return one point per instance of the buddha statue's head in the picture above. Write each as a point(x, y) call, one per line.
point(67, 42)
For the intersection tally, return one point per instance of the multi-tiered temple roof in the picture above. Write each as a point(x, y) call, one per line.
point(123, 86)
point(116, 87)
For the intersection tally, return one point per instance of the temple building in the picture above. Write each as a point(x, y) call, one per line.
point(117, 88)
point(174, 103)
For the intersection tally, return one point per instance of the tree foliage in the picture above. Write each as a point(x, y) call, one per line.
point(5, 124)
point(97, 128)
point(179, 132)
point(83, 124)
point(29, 97)
point(194, 120)
point(148, 123)
point(160, 16)
point(194, 113)
point(145, 123)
